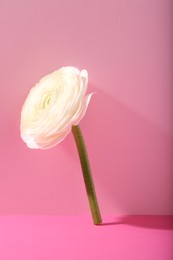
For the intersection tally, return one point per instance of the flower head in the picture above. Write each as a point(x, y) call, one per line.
point(52, 106)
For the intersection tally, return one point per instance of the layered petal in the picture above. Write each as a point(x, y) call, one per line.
point(52, 106)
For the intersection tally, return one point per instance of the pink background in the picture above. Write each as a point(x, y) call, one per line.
point(126, 48)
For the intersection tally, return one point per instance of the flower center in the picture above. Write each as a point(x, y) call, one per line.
point(46, 99)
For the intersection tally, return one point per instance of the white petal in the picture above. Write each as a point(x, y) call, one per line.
point(84, 80)
point(29, 141)
point(84, 108)
point(53, 105)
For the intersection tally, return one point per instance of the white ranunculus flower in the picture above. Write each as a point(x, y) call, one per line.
point(56, 103)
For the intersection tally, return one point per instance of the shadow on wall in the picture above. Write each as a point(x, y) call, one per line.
point(131, 161)
point(131, 158)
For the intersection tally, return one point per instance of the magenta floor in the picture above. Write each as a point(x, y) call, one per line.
point(75, 237)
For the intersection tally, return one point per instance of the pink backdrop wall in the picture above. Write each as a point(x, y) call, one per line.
point(126, 48)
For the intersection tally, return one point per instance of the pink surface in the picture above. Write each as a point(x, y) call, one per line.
point(75, 237)
point(126, 46)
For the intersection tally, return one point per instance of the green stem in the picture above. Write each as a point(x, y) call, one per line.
point(89, 184)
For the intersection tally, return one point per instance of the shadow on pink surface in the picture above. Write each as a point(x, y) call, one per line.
point(152, 222)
